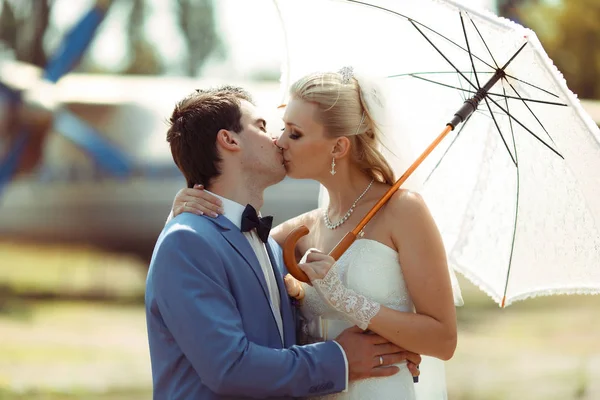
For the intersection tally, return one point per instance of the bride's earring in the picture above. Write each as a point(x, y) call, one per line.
point(332, 172)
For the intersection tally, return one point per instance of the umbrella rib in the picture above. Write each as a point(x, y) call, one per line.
point(484, 42)
point(532, 85)
point(417, 22)
point(514, 56)
point(531, 111)
point(462, 90)
point(449, 40)
point(527, 83)
point(286, 70)
point(442, 54)
point(473, 92)
point(447, 150)
point(485, 113)
point(526, 128)
point(514, 236)
point(434, 73)
point(442, 84)
point(500, 132)
point(462, 22)
point(524, 99)
point(446, 38)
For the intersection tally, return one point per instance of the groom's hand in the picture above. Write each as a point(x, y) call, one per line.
point(370, 355)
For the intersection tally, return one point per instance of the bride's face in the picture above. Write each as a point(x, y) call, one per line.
point(307, 153)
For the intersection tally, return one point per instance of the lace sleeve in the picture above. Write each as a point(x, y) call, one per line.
point(357, 308)
point(309, 319)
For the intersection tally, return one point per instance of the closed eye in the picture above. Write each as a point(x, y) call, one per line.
point(292, 134)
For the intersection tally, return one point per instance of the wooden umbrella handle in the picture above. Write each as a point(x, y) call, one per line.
point(289, 253)
point(289, 245)
point(289, 250)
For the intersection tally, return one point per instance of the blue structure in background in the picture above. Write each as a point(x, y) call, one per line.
point(105, 154)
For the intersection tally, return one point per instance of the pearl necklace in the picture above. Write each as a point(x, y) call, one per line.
point(331, 225)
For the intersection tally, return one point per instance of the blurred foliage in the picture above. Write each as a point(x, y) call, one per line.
point(198, 26)
point(570, 32)
point(144, 60)
point(25, 26)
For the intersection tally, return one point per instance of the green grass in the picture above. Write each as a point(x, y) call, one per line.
point(544, 348)
point(60, 270)
point(77, 394)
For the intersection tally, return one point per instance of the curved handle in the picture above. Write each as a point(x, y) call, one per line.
point(289, 250)
point(289, 253)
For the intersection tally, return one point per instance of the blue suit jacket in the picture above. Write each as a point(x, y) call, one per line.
point(211, 330)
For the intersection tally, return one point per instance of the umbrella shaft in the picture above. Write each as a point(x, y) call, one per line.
point(470, 105)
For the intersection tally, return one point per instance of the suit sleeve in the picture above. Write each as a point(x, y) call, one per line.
point(192, 292)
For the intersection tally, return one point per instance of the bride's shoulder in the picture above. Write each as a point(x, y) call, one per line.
point(409, 218)
point(407, 206)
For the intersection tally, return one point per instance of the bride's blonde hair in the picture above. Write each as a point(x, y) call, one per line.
point(342, 112)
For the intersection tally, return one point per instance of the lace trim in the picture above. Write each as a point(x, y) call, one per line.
point(357, 308)
point(485, 288)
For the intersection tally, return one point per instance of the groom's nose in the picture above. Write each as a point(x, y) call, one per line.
point(280, 149)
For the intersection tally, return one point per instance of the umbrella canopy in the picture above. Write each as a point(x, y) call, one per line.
point(515, 187)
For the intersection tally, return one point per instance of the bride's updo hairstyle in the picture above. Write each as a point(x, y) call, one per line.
point(343, 112)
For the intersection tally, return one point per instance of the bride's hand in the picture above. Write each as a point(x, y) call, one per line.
point(196, 201)
point(317, 264)
point(357, 308)
point(294, 287)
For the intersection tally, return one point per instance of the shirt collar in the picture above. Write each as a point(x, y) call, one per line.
point(231, 210)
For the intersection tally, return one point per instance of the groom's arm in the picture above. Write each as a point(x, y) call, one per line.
point(192, 292)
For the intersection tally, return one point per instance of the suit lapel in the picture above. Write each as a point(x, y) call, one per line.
point(285, 305)
point(239, 242)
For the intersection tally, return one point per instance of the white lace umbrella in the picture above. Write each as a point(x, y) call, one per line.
point(515, 188)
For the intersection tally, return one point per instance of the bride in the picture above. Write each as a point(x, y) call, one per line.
point(394, 280)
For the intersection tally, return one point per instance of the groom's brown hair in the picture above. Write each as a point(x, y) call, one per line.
point(194, 125)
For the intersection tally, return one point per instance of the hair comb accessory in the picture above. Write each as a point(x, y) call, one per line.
point(347, 73)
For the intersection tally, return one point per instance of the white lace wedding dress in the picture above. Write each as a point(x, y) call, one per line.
point(372, 269)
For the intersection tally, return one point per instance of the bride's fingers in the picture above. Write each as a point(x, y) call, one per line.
point(293, 287)
point(318, 256)
point(206, 199)
point(199, 192)
point(186, 207)
point(184, 203)
point(309, 271)
point(200, 204)
point(312, 250)
point(321, 268)
point(413, 358)
point(414, 370)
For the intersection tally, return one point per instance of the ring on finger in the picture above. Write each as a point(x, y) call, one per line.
point(185, 205)
point(380, 360)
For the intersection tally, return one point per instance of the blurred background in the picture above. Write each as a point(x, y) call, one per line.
point(87, 182)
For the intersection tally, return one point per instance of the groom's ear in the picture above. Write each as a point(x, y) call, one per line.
point(228, 140)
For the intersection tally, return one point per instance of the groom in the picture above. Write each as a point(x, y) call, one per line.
point(220, 323)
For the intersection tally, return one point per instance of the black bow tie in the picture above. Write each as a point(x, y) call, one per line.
point(250, 220)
